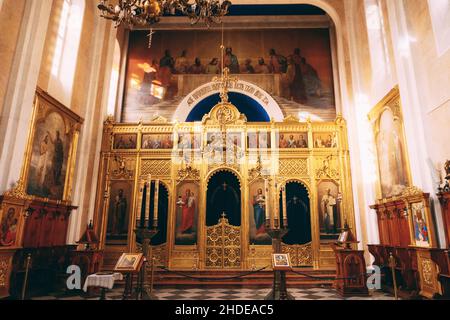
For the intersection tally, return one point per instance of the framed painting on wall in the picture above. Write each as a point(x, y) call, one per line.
point(163, 141)
point(421, 225)
point(187, 203)
point(292, 140)
point(51, 150)
point(125, 141)
point(393, 164)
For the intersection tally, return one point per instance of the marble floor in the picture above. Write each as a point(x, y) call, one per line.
point(229, 294)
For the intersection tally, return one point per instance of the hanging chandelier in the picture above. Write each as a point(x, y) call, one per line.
point(145, 13)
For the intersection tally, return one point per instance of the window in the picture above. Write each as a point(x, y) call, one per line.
point(114, 81)
point(377, 39)
point(67, 43)
point(440, 19)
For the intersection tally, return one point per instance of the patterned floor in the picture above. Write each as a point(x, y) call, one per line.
point(231, 294)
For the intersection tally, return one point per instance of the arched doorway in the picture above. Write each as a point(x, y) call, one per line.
point(223, 248)
point(298, 214)
point(223, 196)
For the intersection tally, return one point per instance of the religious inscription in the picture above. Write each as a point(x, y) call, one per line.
point(206, 90)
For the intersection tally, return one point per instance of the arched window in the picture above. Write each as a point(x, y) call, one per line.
point(377, 39)
point(114, 80)
point(67, 43)
point(440, 19)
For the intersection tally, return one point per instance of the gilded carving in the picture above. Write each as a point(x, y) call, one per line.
point(188, 173)
point(120, 167)
point(412, 191)
point(293, 167)
point(327, 168)
point(17, 191)
point(4, 265)
point(223, 245)
point(301, 255)
point(427, 272)
point(155, 168)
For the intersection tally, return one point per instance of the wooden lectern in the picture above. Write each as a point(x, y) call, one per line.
point(351, 274)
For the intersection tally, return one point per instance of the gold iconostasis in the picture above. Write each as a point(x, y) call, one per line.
point(208, 187)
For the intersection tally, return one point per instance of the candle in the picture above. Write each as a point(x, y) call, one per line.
point(147, 199)
point(142, 202)
point(156, 202)
point(266, 198)
point(276, 208)
point(283, 195)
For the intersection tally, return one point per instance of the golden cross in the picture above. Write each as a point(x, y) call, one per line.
point(225, 80)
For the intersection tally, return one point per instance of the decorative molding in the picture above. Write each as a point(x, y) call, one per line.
point(188, 173)
point(157, 168)
point(17, 191)
point(120, 170)
point(293, 167)
point(327, 168)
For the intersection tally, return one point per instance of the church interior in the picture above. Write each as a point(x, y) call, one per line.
point(208, 149)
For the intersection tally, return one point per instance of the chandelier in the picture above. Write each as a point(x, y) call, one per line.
point(144, 13)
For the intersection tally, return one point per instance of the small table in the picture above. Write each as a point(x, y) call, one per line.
point(103, 281)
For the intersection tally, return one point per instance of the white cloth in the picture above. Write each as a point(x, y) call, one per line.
point(102, 281)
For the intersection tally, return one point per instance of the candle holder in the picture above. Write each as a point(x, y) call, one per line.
point(279, 289)
point(145, 291)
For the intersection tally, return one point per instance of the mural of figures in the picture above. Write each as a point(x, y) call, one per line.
point(51, 145)
point(189, 140)
point(329, 210)
point(325, 140)
point(8, 228)
point(421, 232)
point(257, 214)
point(302, 58)
point(258, 140)
point(187, 217)
point(125, 141)
point(391, 155)
point(230, 152)
point(288, 140)
point(119, 211)
point(189, 145)
point(157, 141)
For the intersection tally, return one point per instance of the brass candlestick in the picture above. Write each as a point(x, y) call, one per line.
point(279, 288)
point(145, 290)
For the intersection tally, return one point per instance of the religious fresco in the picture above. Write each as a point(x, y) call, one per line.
point(187, 214)
point(257, 214)
point(292, 140)
point(259, 140)
point(325, 140)
point(125, 141)
point(49, 157)
point(391, 155)
point(329, 210)
point(300, 59)
point(189, 141)
point(157, 141)
point(119, 210)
